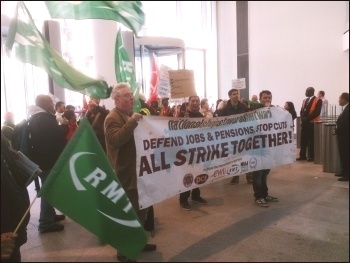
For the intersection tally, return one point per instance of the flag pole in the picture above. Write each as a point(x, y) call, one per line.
point(20, 223)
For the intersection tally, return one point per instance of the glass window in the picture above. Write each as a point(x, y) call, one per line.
point(20, 84)
point(77, 47)
point(190, 21)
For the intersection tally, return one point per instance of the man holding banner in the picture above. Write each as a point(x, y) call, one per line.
point(193, 112)
point(260, 176)
point(232, 107)
point(121, 151)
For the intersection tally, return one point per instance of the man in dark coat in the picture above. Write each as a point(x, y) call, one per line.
point(309, 113)
point(342, 132)
point(234, 106)
point(48, 141)
point(260, 188)
point(191, 112)
point(14, 204)
point(96, 115)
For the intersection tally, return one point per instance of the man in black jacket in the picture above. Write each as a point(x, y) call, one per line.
point(234, 106)
point(96, 115)
point(48, 141)
point(14, 204)
point(260, 188)
point(342, 132)
point(192, 112)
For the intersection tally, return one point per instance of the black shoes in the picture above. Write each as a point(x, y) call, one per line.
point(122, 258)
point(262, 202)
point(270, 198)
point(199, 200)
point(234, 180)
point(249, 177)
point(185, 205)
point(305, 159)
point(59, 218)
point(343, 179)
point(149, 247)
point(54, 228)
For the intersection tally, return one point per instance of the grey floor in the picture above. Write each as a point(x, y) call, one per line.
point(309, 223)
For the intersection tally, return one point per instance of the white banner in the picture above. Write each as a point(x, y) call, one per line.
point(175, 155)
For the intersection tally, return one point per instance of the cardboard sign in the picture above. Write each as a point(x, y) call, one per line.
point(182, 83)
point(238, 83)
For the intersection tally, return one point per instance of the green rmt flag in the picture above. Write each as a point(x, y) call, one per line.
point(128, 13)
point(27, 44)
point(124, 71)
point(83, 186)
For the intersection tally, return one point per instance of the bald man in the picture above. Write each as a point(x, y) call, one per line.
point(255, 98)
point(48, 140)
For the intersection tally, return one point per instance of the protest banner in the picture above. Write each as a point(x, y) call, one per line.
point(175, 155)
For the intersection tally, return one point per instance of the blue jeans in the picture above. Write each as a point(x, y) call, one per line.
point(259, 183)
point(47, 212)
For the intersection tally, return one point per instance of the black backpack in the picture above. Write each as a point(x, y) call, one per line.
point(21, 138)
point(21, 141)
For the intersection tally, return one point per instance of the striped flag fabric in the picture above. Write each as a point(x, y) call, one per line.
point(26, 43)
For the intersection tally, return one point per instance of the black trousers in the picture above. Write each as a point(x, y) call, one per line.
point(307, 140)
point(343, 148)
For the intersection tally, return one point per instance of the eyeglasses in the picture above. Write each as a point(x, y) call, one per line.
point(127, 95)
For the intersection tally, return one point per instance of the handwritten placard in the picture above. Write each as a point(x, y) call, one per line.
point(164, 83)
point(182, 83)
point(238, 83)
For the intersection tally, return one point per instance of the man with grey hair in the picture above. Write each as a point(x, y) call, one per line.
point(119, 128)
point(255, 98)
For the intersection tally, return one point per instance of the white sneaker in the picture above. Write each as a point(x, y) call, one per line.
point(261, 202)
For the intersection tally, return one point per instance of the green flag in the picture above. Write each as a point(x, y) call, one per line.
point(124, 71)
point(128, 13)
point(28, 45)
point(83, 186)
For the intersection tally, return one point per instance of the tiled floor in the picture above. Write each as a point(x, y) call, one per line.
point(309, 223)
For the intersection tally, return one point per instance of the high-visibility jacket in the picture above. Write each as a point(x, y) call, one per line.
point(312, 108)
point(145, 111)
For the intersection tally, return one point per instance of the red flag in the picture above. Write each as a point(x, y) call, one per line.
point(85, 104)
point(153, 95)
